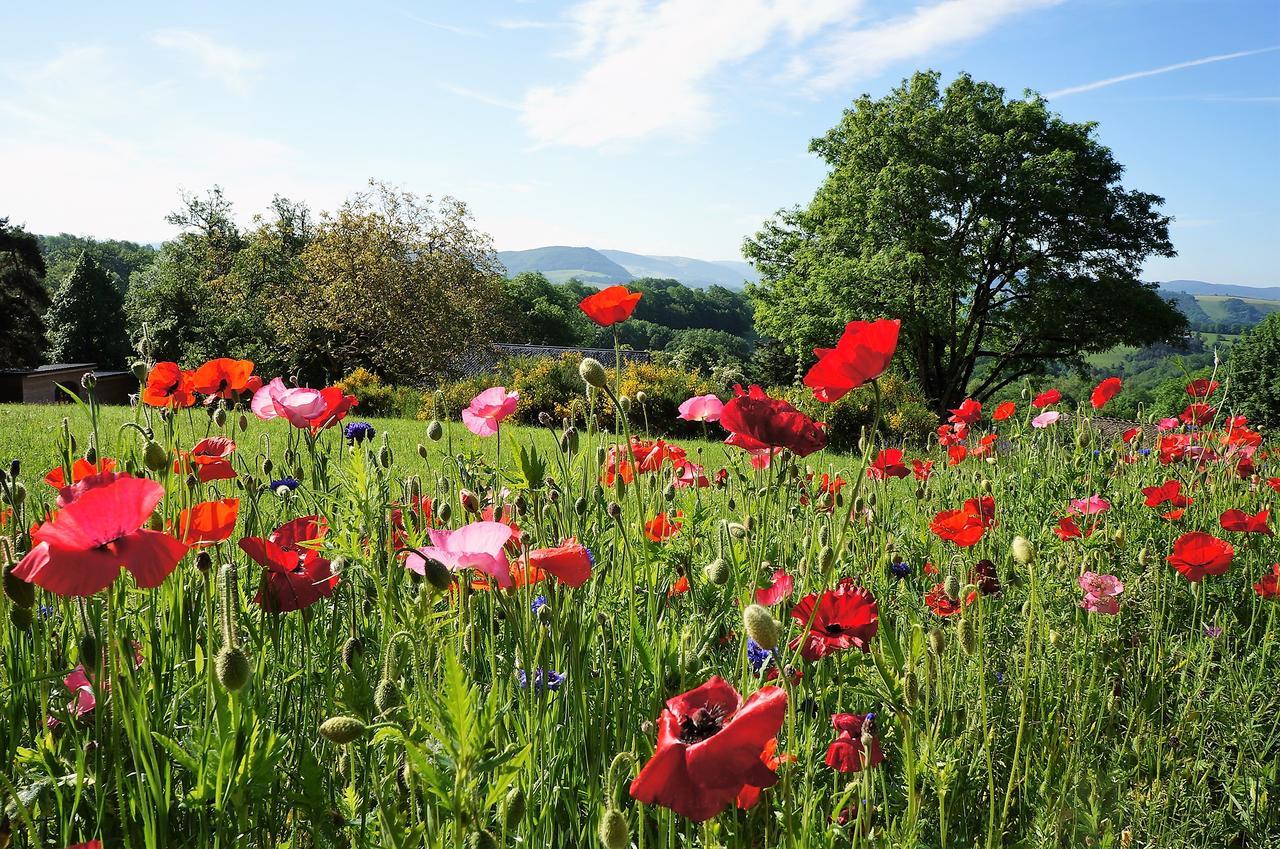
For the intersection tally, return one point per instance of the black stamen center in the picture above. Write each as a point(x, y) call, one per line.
point(701, 724)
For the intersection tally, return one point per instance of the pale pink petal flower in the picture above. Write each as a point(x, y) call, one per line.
point(488, 409)
point(702, 408)
point(1090, 506)
point(479, 546)
point(1046, 418)
point(781, 587)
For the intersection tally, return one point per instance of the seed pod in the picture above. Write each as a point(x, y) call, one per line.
point(342, 729)
point(717, 572)
point(232, 668)
point(967, 635)
point(1023, 551)
point(513, 808)
point(614, 832)
point(435, 430)
point(760, 626)
point(154, 456)
point(387, 696)
point(937, 641)
point(593, 374)
point(19, 591)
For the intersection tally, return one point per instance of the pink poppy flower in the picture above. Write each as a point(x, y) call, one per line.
point(1046, 418)
point(1100, 593)
point(488, 409)
point(1090, 506)
point(297, 404)
point(479, 545)
point(781, 585)
point(701, 408)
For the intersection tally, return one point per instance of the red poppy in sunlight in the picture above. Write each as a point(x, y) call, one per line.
point(846, 617)
point(710, 746)
point(169, 386)
point(755, 422)
point(1169, 492)
point(1004, 411)
point(569, 561)
point(336, 406)
point(223, 377)
point(749, 795)
point(985, 446)
point(965, 526)
point(413, 516)
point(780, 586)
point(1044, 399)
point(1202, 387)
point(1198, 554)
point(1197, 414)
point(208, 522)
point(1131, 434)
point(862, 354)
point(1274, 483)
point(922, 469)
point(1104, 392)
point(1068, 529)
point(296, 575)
point(82, 549)
point(968, 413)
point(80, 470)
point(680, 587)
point(1173, 515)
point(610, 305)
point(846, 753)
point(1238, 520)
point(941, 603)
point(956, 454)
point(663, 527)
point(1269, 586)
point(888, 464)
point(208, 458)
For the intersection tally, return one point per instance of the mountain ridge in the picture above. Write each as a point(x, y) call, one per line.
point(606, 266)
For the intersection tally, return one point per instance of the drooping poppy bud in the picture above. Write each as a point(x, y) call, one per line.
point(593, 374)
point(614, 833)
point(232, 668)
point(761, 627)
point(342, 729)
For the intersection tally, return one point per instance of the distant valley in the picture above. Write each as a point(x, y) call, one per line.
point(559, 263)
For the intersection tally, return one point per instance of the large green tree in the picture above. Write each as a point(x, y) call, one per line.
point(23, 299)
point(86, 320)
point(1255, 374)
point(998, 232)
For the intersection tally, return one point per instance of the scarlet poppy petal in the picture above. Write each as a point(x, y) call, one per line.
point(724, 758)
point(150, 556)
point(68, 572)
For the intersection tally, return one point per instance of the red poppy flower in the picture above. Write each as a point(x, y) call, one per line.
point(1274, 483)
point(749, 795)
point(956, 454)
point(1104, 392)
point(223, 377)
point(336, 406)
point(1131, 434)
point(709, 748)
point(965, 526)
point(888, 464)
point(983, 574)
point(208, 522)
point(1202, 387)
point(80, 470)
point(1173, 515)
point(968, 413)
point(610, 305)
point(92, 844)
point(922, 469)
point(569, 561)
point(846, 753)
point(680, 587)
point(1269, 586)
point(82, 549)
point(1004, 411)
point(756, 421)
point(1238, 520)
point(1044, 399)
point(663, 527)
point(1197, 554)
point(1068, 529)
point(169, 386)
point(1169, 492)
point(780, 586)
point(420, 514)
point(862, 354)
point(985, 445)
point(1197, 414)
point(846, 617)
point(941, 603)
point(208, 458)
point(296, 575)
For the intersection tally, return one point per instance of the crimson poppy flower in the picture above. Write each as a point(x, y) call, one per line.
point(1269, 586)
point(610, 305)
point(223, 377)
point(862, 354)
point(940, 602)
point(1173, 515)
point(1274, 483)
point(1131, 434)
point(1197, 554)
point(680, 587)
point(888, 464)
point(846, 753)
point(922, 469)
point(208, 522)
point(956, 454)
point(80, 470)
point(968, 413)
point(336, 406)
point(82, 549)
point(985, 445)
point(709, 748)
point(417, 512)
point(663, 527)
point(169, 386)
point(1004, 411)
point(1197, 414)
point(757, 422)
point(749, 795)
point(1169, 492)
point(208, 458)
point(296, 575)
point(780, 586)
point(965, 526)
point(1202, 387)
point(1044, 399)
point(1068, 529)
point(569, 561)
point(984, 575)
point(1104, 392)
point(846, 617)
point(1238, 520)
point(92, 844)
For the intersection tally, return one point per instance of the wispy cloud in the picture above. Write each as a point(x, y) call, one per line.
point(528, 23)
point(480, 96)
point(230, 65)
point(651, 64)
point(453, 28)
point(1063, 92)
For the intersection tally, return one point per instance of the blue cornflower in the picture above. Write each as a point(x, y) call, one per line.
point(538, 603)
point(900, 568)
point(358, 431)
point(1144, 451)
point(289, 484)
point(542, 678)
point(46, 611)
point(758, 657)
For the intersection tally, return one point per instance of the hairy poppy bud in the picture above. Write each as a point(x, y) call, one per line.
point(267, 465)
point(1144, 557)
point(220, 416)
point(1023, 551)
point(342, 729)
point(1118, 538)
point(385, 457)
point(482, 839)
point(18, 492)
point(937, 641)
point(614, 509)
point(593, 373)
point(717, 572)
point(760, 626)
point(625, 403)
point(513, 808)
point(91, 453)
point(911, 690)
point(352, 652)
point(438, 574)
point(952, 586)
point(435, 430)
point(967, 636)
point(469, 501)
point(669, 492)
point(19, 591)
point(204, 562)
point(232, 668)
point(139, 370)
point(422, 451)
point(444, 511)
point(737, 531)
point(243, 422)
point(613, 832)
point(544, 419)
point(154, 456)
point(985, 486)
point(387, 696)
point(580, 505)
point(569, 440)
point(88, 381)
point(826, 558)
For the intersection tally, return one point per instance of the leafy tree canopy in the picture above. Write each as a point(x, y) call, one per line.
point(998, 232)
point(86, 320)
point(23, 299)
point(119, 258)
point(1255, 374)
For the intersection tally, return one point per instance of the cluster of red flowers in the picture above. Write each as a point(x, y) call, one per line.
point(170, 386)
point(966, 526)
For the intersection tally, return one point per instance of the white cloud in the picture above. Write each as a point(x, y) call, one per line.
point(479, 96)
point(230, 65)
point(1063, 92)
point(650, 63)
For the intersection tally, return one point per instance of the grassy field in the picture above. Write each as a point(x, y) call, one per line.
point(1213, 305)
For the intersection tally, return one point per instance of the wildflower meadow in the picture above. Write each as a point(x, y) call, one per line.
point(238, 615)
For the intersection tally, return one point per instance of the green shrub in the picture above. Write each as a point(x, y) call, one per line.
point(378, 399)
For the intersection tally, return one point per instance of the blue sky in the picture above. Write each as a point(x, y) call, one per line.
point(657, 126)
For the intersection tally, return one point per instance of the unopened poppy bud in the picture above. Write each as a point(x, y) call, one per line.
point(21, 617)
point(290, 457)
point(243, 422)
point(1118, 538)
point(1144, 557)
point(482, 839)
point(937, 641)
point(342, 729)
point(985, 486)
point(952, 586)
point(967, 635)
point(614, 509)
point(513, 808)
point(580, 505)
point(387, 696)
point(88, 381)
point(737, 531)
point(625, 403)
point(19, 591)
point(544, 419)
point(352, 651)
point(911, 690)
point(1023, 551)
point(232, 668)
point(220, 416)
point(470, 503)
point(760, 626)
point(717, 572)
point(593, 373)
point(569, 440)
point(553, 495)
point(444, 511)
point(1053, 638)
point(920, 493)
point(641, 397)
point(669, 492)
point(435, 430)
point(155, 523)
point(385, 457)
point(204, 562)
point(614, 833)
point(91, 453)
point(826, 558)
point(438, 574)
point(154, 456)
point(18, 492)
point(267, 465)
point(139, 370)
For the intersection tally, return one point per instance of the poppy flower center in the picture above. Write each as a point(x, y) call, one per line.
point(701, 724)
point(835, 629)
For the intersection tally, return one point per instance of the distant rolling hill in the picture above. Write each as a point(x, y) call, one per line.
point(1232, 290)
point(605, 267)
